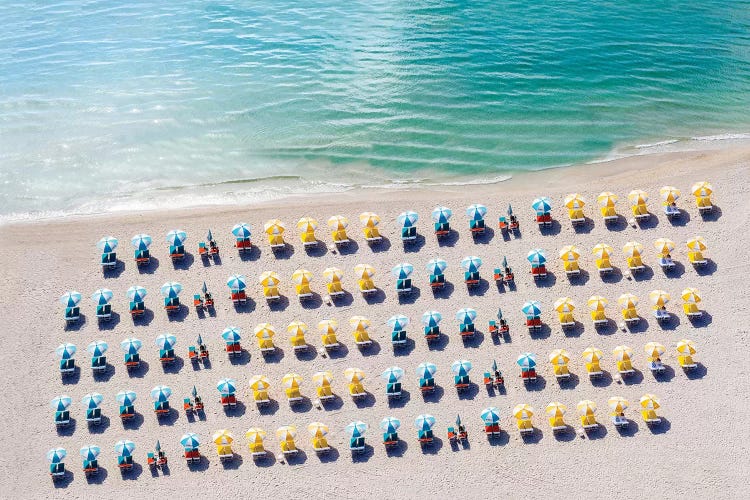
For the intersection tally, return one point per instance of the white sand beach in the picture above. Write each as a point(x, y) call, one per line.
point(699, 450)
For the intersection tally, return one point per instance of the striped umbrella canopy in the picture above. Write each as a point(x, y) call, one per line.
point(542, 204)
point(259, 383)
point(390, 424)
point(301, 276)
point(592, 354)
point(649, 402)
point(431, 318)
point(291, 380)
point(664, 245)
point(70, 299)
point(436, 266)
point(402, 271)
point(686, 347)
point(171, 289)
point(322, 378)
point(526, 360)
point(66, 351)
point(317, 429)
point(369, 219)
point(574, 201)
point(92, 400)
point(274, 227)
point(97, 348)
point(531, 308)
point(90, 452)
point(586, 407)
point(426, 370)
point(654, 350)
point(659, 297)
point(466, 316)
point(255, 435)
point(564, 305)
point(241, 230)
point(392, 374)
point(490, 415)
point(161, 393)
point(627, 300)
point(555, 409)
point(190, 440)
point(286, 433)
point(61, 403)
point(569, 253)
point(476, 211)
point(102, 296)
point(131, 345)
point(266, 278)
point(226, 386)
point(472, 263)
point(622, 353)
point(461, 367)
point(424, 422)
point(222, 437)
point(618, 404)
point(176, 237)
point(107, 244)
point(398, 322)
point(632, 249)
point(328, 325)
point(442, 214)
point(166, 341)
point(359, 322)
point(124, 448)
point(237, 282)
point(56, 455)
point(356, 429)
point(702, 189)
point(338, 222)
point(559, 357)
point(364, 271)
point(354, 375)
point(332, 274)
point(602, 250)
point(536, 256)
point(637, 197)
point(607, 199)
point(597, 303)
point(264, 331)
point(141, 241)
point(137, 293)
point(231, 334)
point(408, 218)
point(307, 224)
point(296, 328)
point(697, 244)
point(126, 398)
point(669, 194)
point(523, 411)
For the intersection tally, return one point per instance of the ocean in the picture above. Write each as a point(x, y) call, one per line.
point(110, 105)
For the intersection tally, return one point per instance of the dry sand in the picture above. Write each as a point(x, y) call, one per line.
point(700, 449)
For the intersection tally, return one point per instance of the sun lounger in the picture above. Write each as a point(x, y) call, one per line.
point(543, 219)
point(425, 437)
point(225, 452)
point(686, 362)
point(609, 214)
point(228, 400)
point(656, 367)
point(320, 445)
point(398, 338)
point(408, 233)
point(620, 421)
point(589, 423)
point(635, 264)
point(372, 235)
point(572, 268)
point(303, 291)
point(467, 330)
point(161, 408)
point(476, 227)
point(94, 416)
point(426, 384)
point(437, 281)
point(340, 237)
point(431, 333)
point(704, 204)
point(238, 296)
point(99, 363)
point(533, 323)
point(630, 315)
point(625, 368)
point(67, 366)
point(127, 412)
point(697, 259)
point(461, 382)
point(390, 439)
point(197, 301)
point(137, 309)
point(330, 342)
point(192, 455)
point(62, 418)
point(132, 360)
point(243, 245)
point(576, 216)
point(566, 320)
point(166, 356)
point(513, 224)
point(403, 286)
point(109, 260)
point(594, 370)
point(557, 424)
point(288, 447)
point(308, 239)
point(671, 211)
point(357, 390)
point(357, 444)
point(538, 271)
point(187, 405)
point(525, 426)
point(599, 318)
point(57, 470)
point(276, 241)
point(335, 289)
point(498, 328)
point(471, 278)
point(104, 312)
point(604, 266)
point(72, 314)
point(393, 390)
point(325, 393)
point(491, 430)
point(90, 467)
point(142, 257)
point(233, 349)
point(293, 396)
point(502, 224)
point(363, 340)
point(171, 304)
point(261, 398)
point(561, 372)
point(661, 315)
point(257, 450)
point(176, 252)
point(640, 212)
point(366, 286)
point(666, 263)
point(650, 417)
point(528, 374)
point(494, 381)
point(125, 463)
point(442, 228)
point(266, 346)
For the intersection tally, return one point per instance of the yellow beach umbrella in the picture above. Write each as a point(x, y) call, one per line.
point(523, 411)
point(637, 197)
point(564, 305)
point(597, 303)
point(622, 353)
point(697, 244)
point(627, 300)
point(354, 375)
point(338, 222)
point(274, 226)
point(333, 274)
point(555, 409)
point(586, 407)
point(255, 435)
point(369, 219)
point(259, 383)
point(669, 194)
point(222, 436)
point(322, 378)
point(649, 402)
point(592, 354)
point(702, 189)
point(607, 199)
point(618, 404)
point(664, 245)
point(364, 271)
point(569, 253)
point(632, 249)
point(359, 322)
point(602, 251)
point(686, 347)
point(286, 432)
point(559, 357)
point(301, 276)
point(269, 278)
point(264, 331)
point(659, 298)
point(307, 224)
point(291, 380)
point(691, 295)
point(328, 325)
point(574, 201)
point(317, 429)
point(654, 349)
point(297, 328)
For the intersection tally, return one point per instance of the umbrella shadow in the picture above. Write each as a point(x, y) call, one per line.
point(634, 378)
point(629, 430)
point(665, 375)
point(469, 393)
point(433, 396)
point(661, 428)
point(432, 448)
point(349, 249)
point(644, 274)
point(680, 221)
point(274, 356)
point(329, 456)
point(180, 314)
point(439, 344)
point(474, 341)
point(67, 430)
point(566, 435)
point(253, 253)
point(132, 473)
point(648, 223)
point(233, 464)
point(552, 229)
point(671, 323)
point(104, 375)
point(99, 428)
point(332, 404)
point(713, 215)
point(383, 245)
point(376, 297)
point(607, 328)
point(449, 239)
point(298, 458)
point(599, 433)
point(269, 408)
point(144, 319)
point(344, 300)
point(200, 466)
point(585, 227)
point(674, 272)
point(286, 252)
point(114, 272)
point(485, 237)
point(536, 386)
point(414, 245)
point(168, 418)
point(245, 307)
point(111, 323)
point(236, 411)
point(150, 268)
point(313, 302)
point(400, 402)
point(409, 298)
point(134, 422)
point(77, 325)
point(266, 460)
point(373, 349)
point(547, 282)
point(618, 225)
point(404, 349)
point(317, 250)
point(579, 279)
point(368, 401)
point(175, 366)
point(279, 304)
point(575, 331)
point(541, 333)
point(697, 373)
point(603, 380)
point(707, 269)
point(138, 371)
point(639, 327)
point(533, 437)
point(443, 292)
point(614, 276)
point(703, 321)
point(184, 263)
point(479, 289)
point(73, 377)
point(97, 478)
point(363, 455)
point(397, 450)
point(302, 406)
point(307, 354)
point(569, 383)
point(64, 480)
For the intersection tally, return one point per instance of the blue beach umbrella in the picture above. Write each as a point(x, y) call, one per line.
point(390, 424)
point(126, 398)
point(131, 345)
point(209, 236)
point(137, 293)
point(171, 289)
point(476, 211)
point(424, 422)
point(190, 440)
point(392, 374)
point(241, 230)
point(542, 204)
point(426, 370)
point(90, 452)
point(471, 263)
point(526, 360)
point(97, 348)
point(231, 334)
point(408, 218)
point(166, 341)
point(237, 282)
point(461, 367)
point(161, 393)
point(510, 210)
point(124, 448)
point(402, 271)
point(536, 256)
point(431, 318)
point(56, 455)
point(141, 241)
point(227, 386)
point(398, 322)
point(66, 351)
point(532, 308)
point(466, 316)
point(70, 299)
point(107, 244)
point(436, 266)
point(176, 237)
point(92, 400)
point(442, 214)
point(490, 415)
point(102, 296)
point(356, 429)
point(61, 403)
point(505, 262)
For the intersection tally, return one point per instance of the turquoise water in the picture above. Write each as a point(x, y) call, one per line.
point(107, 104)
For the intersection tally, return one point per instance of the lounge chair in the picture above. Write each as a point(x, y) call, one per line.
point(293, 395)
point(67, 366)
point(137, 309)
point(513, 223)
point(228, 400)
point(461, 382)
point(635, 264)
point(257, 450)
point(589, 423)
point(476, 227)
point(308, 239)
point(176, 252)
point(238, 296)
point(161, 408)
point(528, 374)
point(403, 286)
point(288, 447)
point(566, 320)
point(671, 211)
point(538, 271)
point(372, 235)
point(471, 278)
point(442, 228)
point(104, 312)
point(686, 362)
point(390, 439)
point(620, 421)
point(171, 304)
point(697, 259)
point(502, 224)
point(656, 366)
point(125, 462)
point(276, 241)
point(408, 233)
point(640, 211)
point(109, 260)
point(156, 460)
point(533, 323)
point(132, 360)
point(62, 418)
point(335, 289)
point(192, 455)
point(498, 327)
point(166, 356)
point(271, 293)
point(666, 263)
point(325, 393)
point(340, 237)
point(650, 417)
point(576, 216)
point(426, 385)
point(320, 444)
point(330, 341)
point(467, 330)
point(625, 368)
point(90, 467)
point(495, 380)
point(197, 301)
point(491, 429)
point(431, 333)
point(524, 426)
point(357, 444)
point(557, 424)
point(72, 314)
point(198, 404)
point(543, 219)
point(261, 398)
point(459, 434)
point(594, 370)
point(98, 363)
point(203, 249)
point(266, 346)
point(437, 281)
point(366, 286)
point(298, 342)
point(225, 452)
point(599, 318)
point(303, 291)
point(362, 338)
point(94, 416)
point(233, 349)
point(243, 245)
point(357, 390)
point(142, 257)
point(127, 412)
point(630, 315)
point(609, 214)
point(57, 470)
point(571, 268)
point(661, 315)
point(604, 266)
point(561, 372)
point(393, 390)
point(704, 204)
point(398, 338)
point(425, 437)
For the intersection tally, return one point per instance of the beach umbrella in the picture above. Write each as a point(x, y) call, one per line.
point(424, 422)
point(569, 253)
point(637, 197)
point(622, 353)
point(408, 218)
point(333, 274)
point(526, 360)
point(301, 276)
point(66, 351)
point(686, 347)
point(237, 282)
point(466, 316)
point(390, 424)
point(471, 263)
point(102, 296)
point(226, 386)
point(161, 393)
point(267, 278)
point(70, 299)
point(632, 249)
point(92, 400)
point(356, 429)
point(157, 447)
point(649, 402)
point(166, 341)
point(317, 429)
point(697, 244)
point(255, 435)
point(364, 271)
point(124, 448)
point(476, 211)
point(442, 214)
point(231, 334)
point(354, 375)
point(297, 328)
point(586, 407)
point(431, 318)
point(597, 303)
point(338, 222)
point(618, 404)
point(664, 245)
point(97, 348)
point(199, 340)
point(194, 392)
point(137, 293)
point(190, 440)
point(307, 224)
point(402, 271)
point(426, 370)
point(490, 415)
point(171, 289)
point(274, 227)
point(542, 204)
point(241, 230)
point(536, 256)
point(627, 300)
point(564, 305)
point(259, 383)
point(56, 455)
point(494, 365)
point(328, 325)
point(659, 297)
point(126, 398)
point(107, 244)
point(574, 201)
point(436, 266)
point(90, 452)
point(510, 210)
point(398, 322)
point(392, 374)
point(523, 411)
point(607, 199)
point(691, 295)
point(359, 322)
point(461, 367)
point(222, 437)
point(322, 378)
point(291, 380)
point(61, 403)
point(131, 345)
point(669, 194)
point(592, 354)
point(702, 189)
point(602, 250)
point(559, 357)
point(654, 350)
point(531, 308)
point(286, 432)
point(369, 219)
point(555, 409)
point(176, 237)
point(141, 241)
point(264, 331)
point(209, 236)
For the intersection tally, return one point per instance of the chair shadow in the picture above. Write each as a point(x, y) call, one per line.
point(99, 477)
point(662, 428)
point(349, 249)
point(479, 289)
point(368, 401)
point(113, 321)
point(707, 269)
point(485, 237)
point(364, 455)
point(400, 402)
point(376, 297)
point(114, 272)
point(313, 302)
point(604, 380)
point(696, 373)
point(448, 240)
point(140, 371)
point(434, 447)
point(444, 292)
point(319, 250)
point(101, 427)
point(371, 350)
point(404, 349)
point(301, 406)
point(175, 366)
point(67, 430)
point(284, 253)
point(713, 215)
point(414, 245)
point(539, 385)
point(133, 423)
point(71, 378)
point(410, 298)
point(380, 246)
point(184, 263)
point(580, 279)
point(153, 265)
point(434, 396)
point(144, 319)
point(252, 254)
point(133, 473)
point(279, 304)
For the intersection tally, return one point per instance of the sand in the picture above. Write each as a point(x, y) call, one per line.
point(699, 449)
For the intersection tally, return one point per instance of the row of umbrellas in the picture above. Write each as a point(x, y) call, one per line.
point(123, 448)
point(571, 253)
point(594, 354)
point(136, 293)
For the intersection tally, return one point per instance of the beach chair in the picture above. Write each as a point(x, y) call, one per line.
point(67, 366)
point(599, 318)
point(467, 331)
point(650, 417)
point(176, 252)
point(609, 214)
point(104, 312)
point(431, 333)
point(57, 470)
point(330, 341)
point(151, 459)
point(495, 380)
point(403, 286)
point(498, 276)
point(335, 289)
point(589, 423)
point(697, 259)
point(198, 404)
point(125, 462)
point(566, 320)
point(625, 368)
point(372, 234)
point(94, 416)
point(366, 286)
point(270, 293)
point(161, 408)
point(594, 370)
point(127, 412)
point(640, 212)
point(461, 382)
point(557, 424)
point(525, 426)
point(538, 271)
point(543, 219)
point(72, 314)
point(325, 393)
point(408, 233)
point(604, 266)
point(630, 315)
point(320, 444)
point(499, 328)
point(228, 400)
point(340, 237)
point(656, 366)
point(90, 467)
point(62, 418)
point(243, 245)
point(425, 437)
point(491, 429)
point(276, 241)
point(513, 223)
point(666, 263)
point(166, 356)
point(109, 260)
point(476, 227)
point(193, 354)
point(393, 390)
point(704, 204)
point(308, 239)
point(619, 421)
point(528, 375)
point(187, 405)
point(576, 216)
point(137, 309)
point(686, 362)
point(671, 211)
point(266, 346)
point(303, 291)
point(533, 323)
point(390, 439)
point(442, 228)
point(635, 264)
point(298, 342)
point(171, 304)
point(362, 338)
point(437, 281)
point(357, 390)
point(293, 395)
point(398, 338)
point(203, 249)
point(471, 278)
point(662, 316)
point(288, 447)
point(225, 452)
point(571, 268)
point(197, 301)
point(192, 455)
point(561, 372)
point(502, 224)
point(238, 296)
point(98, 363)
point(357, 444)
point(132, 361)
point(261, 398)
point(257, 450)
point(426, 385)
point(142, 257)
